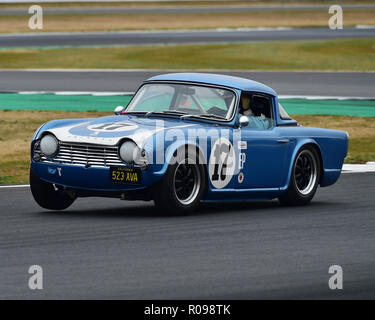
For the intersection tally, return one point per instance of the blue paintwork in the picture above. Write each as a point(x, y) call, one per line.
point(92, 178)
point(268, 165)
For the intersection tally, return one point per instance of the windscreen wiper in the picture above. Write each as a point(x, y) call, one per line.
point(134, 112)
point(204, 115)
point(211, 115)
point(172, 112)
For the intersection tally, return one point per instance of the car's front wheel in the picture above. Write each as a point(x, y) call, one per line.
point(304, 179)
point(47, 195)
point(182, 188)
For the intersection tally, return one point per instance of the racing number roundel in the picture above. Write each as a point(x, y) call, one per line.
point(113, 127)
point(222, 163)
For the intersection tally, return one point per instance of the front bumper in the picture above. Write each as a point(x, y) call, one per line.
point(87, 178)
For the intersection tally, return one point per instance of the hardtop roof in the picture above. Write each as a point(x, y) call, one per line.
point(216, 79)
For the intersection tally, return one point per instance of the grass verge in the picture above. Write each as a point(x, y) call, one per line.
point(145, 21)
point(17, 128)
point(361, 133)
point(353, 55)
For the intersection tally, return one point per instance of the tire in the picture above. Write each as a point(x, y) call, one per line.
point(46, 196)
point(304, 179)
point(181, 189)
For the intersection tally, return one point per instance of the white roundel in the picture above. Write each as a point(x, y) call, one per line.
point(113, 127)
point(222, 163)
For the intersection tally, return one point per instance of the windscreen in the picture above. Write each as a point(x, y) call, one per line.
point(183, 98)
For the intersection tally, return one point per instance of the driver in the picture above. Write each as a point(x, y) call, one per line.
point(184, 102)
point(245, 109)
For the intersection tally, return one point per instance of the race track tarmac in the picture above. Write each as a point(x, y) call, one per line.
point(102, 248)
point(82, 39)
point(351, 84)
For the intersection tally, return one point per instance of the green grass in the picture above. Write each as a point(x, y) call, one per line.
point(356, 55)
point(361, 150)
point(185, 20)
point(361, 133)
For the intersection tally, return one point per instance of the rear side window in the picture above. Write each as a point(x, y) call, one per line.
point(283, 114)
point(258, 109)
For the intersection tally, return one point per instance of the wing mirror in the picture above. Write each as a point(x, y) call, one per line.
point(244, 121)
point(119, 110)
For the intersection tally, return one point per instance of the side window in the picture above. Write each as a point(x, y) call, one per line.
point(283, 114)
point(258, 109)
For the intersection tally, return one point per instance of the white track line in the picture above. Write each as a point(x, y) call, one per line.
point(309, 97)
point(358, 168)
point(112, 93)
point(154, 31)
point(360, 26)
point(181, 70)
point(94, 93)
point(15, 186)
point(75, 93)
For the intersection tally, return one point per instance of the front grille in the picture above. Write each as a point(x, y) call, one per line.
point(85, 154)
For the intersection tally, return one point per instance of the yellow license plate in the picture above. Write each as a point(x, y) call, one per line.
point(125, 175)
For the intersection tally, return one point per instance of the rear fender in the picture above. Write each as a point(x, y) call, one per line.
point(297, 148)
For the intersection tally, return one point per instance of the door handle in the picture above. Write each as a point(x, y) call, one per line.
point(283, 140)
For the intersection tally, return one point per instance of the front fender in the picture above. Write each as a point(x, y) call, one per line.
point(36, 133)
point(57, 124)
point(175, 147)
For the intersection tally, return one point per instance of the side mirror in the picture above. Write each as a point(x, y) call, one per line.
point(244, 121)
point(119, 110)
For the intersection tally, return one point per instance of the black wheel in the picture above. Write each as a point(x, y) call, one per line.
point(304, 179)
point(182, 187)
point(47, 196)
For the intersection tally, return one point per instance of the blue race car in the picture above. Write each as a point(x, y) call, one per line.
point(186, 138)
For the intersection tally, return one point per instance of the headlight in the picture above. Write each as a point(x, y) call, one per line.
point(49, 145)
point(129, 152)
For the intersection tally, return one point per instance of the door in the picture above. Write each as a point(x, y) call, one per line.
point(261, 158)
point(262, 150)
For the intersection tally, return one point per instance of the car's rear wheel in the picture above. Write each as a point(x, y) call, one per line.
point(182, 187)
point(47, 195)
point(304, 179)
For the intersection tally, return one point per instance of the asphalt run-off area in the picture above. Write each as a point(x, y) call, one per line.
point(162, 37)
point(331, 93)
